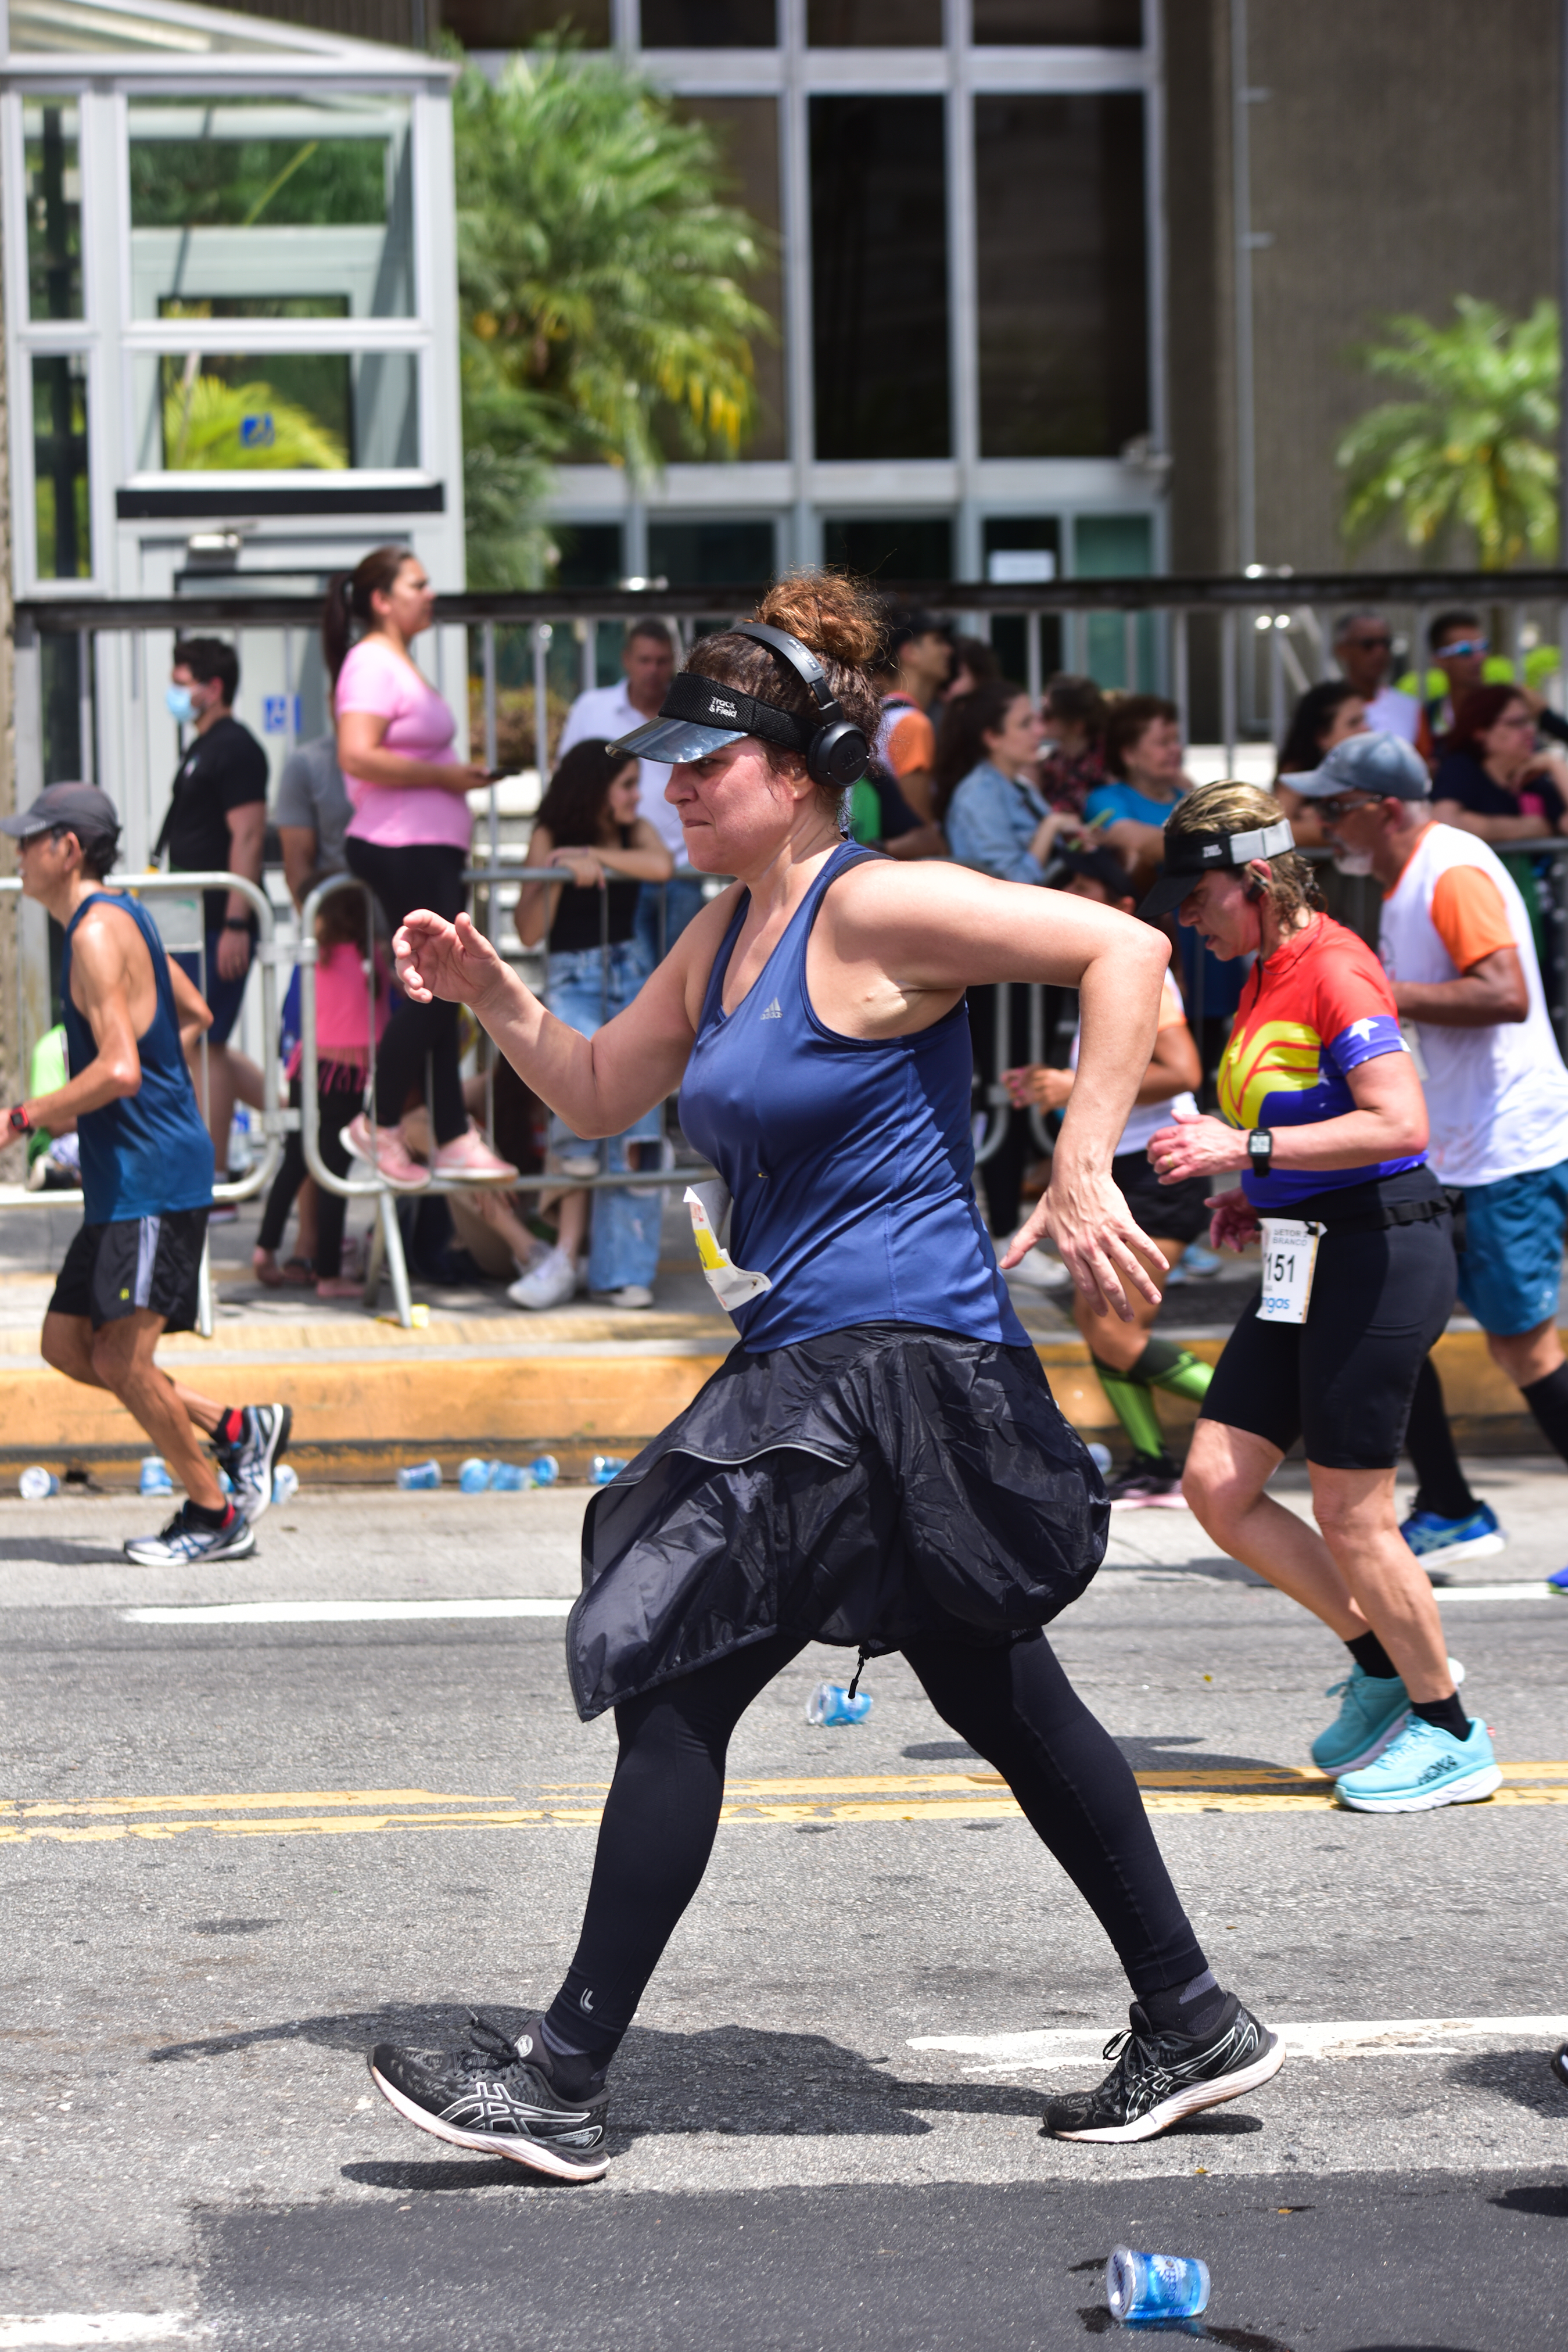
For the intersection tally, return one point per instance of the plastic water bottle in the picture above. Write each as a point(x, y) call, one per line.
point(605, 1466)
point(1155, 2286)
point(225, 1483)
point(285, 1483)
point(155, 1478)
point(831, 1705)
point(36, 1483)
point(1101, 1457)
point(419, 1476)
point(544, 1469)
point(473, 1476)
point(509, 1478)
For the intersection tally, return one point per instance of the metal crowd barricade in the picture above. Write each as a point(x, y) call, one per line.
point(275, 1121)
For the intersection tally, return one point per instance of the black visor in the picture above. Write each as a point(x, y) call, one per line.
point(698, 715)
point(1188, 857)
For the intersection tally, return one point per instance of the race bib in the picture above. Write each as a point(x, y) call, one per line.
point(1289, 1257)
point(730, 1284)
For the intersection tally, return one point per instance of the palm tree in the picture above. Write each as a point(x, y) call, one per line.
point(1476, 449)
point(205, 422)
point(602, 282)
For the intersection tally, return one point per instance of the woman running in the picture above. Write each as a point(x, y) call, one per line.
point(879, 1464)
point(1323, 1114)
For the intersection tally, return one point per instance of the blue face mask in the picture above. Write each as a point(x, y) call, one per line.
point(179, 704)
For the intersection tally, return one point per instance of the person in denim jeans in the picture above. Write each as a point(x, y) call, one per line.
point(596, 966)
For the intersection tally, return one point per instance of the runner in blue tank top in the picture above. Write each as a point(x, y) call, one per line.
point(879, 1463)
point(133, 1270)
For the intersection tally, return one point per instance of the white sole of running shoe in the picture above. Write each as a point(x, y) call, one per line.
point(1150, 1502)
point(1193, 2101)
point(1477, 1548)
point(240, 1547)
point(1468, 1791)
point(524, 2152)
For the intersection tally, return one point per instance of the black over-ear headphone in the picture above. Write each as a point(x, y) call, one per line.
point(838, 753)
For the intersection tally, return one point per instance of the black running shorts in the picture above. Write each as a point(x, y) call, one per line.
point(1343, 1381)
point(151, 1263)
point(1170, 1213)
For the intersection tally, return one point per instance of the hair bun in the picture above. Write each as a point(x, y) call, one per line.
point(831, 612)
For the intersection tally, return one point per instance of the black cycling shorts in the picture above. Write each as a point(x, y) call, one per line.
point(138, 1262)
point(1343, 1381)
point(1170, 1213)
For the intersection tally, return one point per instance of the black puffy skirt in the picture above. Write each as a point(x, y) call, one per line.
point(877, 1486)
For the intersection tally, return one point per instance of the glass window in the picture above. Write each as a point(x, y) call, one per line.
point(878, 278)
point(710, 25)
point(726, 554)
point(891, 547)
point(61, 510)
point(217, 411)
point(747, 132)
point(1019, 548)
point(257, 201)
point(1060, 272)
point(1079, 23)
point(1117, 547)
point(66, 756)
point(512, 24)
point(588, 554)
point(80, 27)
point(53, 166)
point(873, 24)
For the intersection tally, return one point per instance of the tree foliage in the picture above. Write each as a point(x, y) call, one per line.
point(603, 280)
point(1475, 449)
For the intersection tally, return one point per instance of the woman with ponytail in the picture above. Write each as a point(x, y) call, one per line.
point(879, 1463)
point(408, 839)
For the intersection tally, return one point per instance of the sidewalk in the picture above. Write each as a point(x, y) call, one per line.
point(482, 1376)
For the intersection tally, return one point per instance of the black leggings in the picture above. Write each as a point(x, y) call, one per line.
point(339, 1092)
point(426, 874)
point(1014, 1705)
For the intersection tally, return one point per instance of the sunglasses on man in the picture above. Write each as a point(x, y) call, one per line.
point(1461, 647)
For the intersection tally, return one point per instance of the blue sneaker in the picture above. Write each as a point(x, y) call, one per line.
point(1373, 1709)
point(1435, 1541)
point(1423, 1769)
point(1559, 1582)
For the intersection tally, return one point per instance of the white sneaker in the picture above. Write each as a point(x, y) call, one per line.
point(1037, 1271)
point(551, 1283)
point(631, 1293)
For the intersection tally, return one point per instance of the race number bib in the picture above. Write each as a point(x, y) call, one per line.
point(731, 1285)
point(1290, 1256)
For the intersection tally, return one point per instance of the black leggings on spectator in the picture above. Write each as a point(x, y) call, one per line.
point(338, 1095)
point(425, 874)
point(1014, 1705)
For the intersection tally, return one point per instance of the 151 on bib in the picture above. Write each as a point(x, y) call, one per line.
point(1289, 1259)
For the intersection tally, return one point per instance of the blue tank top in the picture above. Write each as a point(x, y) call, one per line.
point(850, 1160)
point(150, 1153)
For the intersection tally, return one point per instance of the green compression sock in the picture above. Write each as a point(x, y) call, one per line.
point(1162, 1366)
point(1133, 1406)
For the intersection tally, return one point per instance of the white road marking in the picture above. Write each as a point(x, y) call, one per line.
point(1541, 1592)
point(67, 2327)
point(335, 1612)
point(1398, 2037)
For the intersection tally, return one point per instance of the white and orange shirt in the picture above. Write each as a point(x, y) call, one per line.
point(1496, 1096)
point(1148, 1118)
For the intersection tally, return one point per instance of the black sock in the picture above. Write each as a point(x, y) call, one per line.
point(1372, 1658)
point(1429, 1441)
point(201, 1517)
point(576, 2074)
point(1191, 2007)
point(1446, 1714)
point(1548, 1400)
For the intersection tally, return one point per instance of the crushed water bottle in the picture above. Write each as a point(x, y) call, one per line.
point(154, 1478)
point(605, 1466)
point(546, 1469)
point(37, 1484)
point(831, 1705)
point(285, 1483)
point(419, 1476)
point(473, 1476)
point(510, 1477)
point(1155, 2286)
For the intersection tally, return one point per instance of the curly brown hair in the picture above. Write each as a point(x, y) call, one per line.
point(1225, 806)
point(839, 619)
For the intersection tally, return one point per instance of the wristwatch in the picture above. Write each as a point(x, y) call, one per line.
point(237, 922)
point(1260, 1151)
point(20, 1123)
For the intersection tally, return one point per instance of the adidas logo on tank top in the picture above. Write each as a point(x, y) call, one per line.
point(775, 1012)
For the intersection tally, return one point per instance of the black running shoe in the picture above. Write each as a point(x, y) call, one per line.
point(488, 2096)
point(1151, 1482)
point(1560, 2066)
point(184, 1540)
point(1160, 2077)
point(250, 1460)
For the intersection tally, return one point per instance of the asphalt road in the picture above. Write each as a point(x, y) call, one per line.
point(235, 1853)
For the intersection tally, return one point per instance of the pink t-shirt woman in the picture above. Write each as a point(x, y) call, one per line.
point(377, 679)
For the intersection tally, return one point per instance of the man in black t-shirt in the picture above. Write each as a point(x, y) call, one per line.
point(215, 823)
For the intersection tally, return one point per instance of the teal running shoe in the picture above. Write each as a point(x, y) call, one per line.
point(1435, 1541)
point(1423, 1769)
point(1373, 1708)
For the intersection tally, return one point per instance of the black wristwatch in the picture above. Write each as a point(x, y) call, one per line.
point(1260, 1151)
point(237, 922)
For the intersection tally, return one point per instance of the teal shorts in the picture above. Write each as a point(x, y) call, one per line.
point(1511, 1267)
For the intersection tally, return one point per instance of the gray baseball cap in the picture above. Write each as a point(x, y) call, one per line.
point(86, 812)
point(1384, 765)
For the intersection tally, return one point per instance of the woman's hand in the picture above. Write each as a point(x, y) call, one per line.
point(584, 868)
point(1197, 1147)
point(1235, 1222)
point(1061, 825)
point(1045, 1089)
point(1103, 1249)
point(452, 960)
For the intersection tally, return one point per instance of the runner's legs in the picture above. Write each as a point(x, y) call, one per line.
point(118, 1357)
